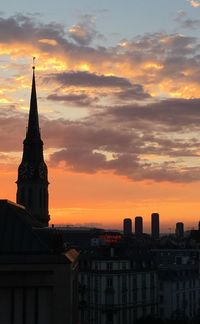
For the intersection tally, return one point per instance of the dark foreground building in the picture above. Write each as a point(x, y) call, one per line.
point(38, 277)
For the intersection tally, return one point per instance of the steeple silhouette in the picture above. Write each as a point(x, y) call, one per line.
point(32, 182)
point(33, 130)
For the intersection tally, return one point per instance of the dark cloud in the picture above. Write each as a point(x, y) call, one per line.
point(12, 127)
point(136, 92)
point(85, 31)
point(174, 53)
point(185, 22)
point(121, 140)
point(21, 28)
point(128, 91)
point(125, 165)
point(154, 140)
point(159, 45)
point(171, 114)
point(87, 79)
point(191, 23)
point(74, 99)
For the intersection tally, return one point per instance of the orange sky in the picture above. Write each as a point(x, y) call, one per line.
point(120, 124)
point(103, 200)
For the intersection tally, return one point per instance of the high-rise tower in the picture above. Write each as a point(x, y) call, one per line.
point(155, 227)
point(32, 182)
point(127, 226)
point(138, 225)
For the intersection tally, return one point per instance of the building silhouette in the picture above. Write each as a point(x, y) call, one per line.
point(179, 230)
point(155, 227)
point(127, 226)
point(32, 182)
point(138, 226)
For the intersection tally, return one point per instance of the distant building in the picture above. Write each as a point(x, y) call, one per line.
point(179, 230)
point(178, 283)
point(155, 227)
point(138, 226)
point(117, 285)
point(127, 226)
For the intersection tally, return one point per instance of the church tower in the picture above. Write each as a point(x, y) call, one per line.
point(32, 182)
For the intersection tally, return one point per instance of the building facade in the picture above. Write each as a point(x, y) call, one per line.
point(115, 287)
point(178, 283)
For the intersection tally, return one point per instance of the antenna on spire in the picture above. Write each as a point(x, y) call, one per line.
point(34, 63)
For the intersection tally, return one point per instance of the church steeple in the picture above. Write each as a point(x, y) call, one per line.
point(32, 182)
point(33, 122)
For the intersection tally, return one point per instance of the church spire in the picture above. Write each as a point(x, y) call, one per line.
point(32, 182)
point(33, 130)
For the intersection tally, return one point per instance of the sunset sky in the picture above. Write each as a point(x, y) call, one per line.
point(118, 86)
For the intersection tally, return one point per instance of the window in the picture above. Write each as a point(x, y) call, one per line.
point(177, 300)
point(123, 282)
point(123, 266)
point(109, 318)
point(161, 285)
point(109, 282)
point(96, 298)
point(161, 299)
point(151, 280)
point(109, 266)
point(96, 283)
point(143, 280)
point(109, 297)
point(177, 285)
point(135, 282)
point(124, 298)
point(143, 294)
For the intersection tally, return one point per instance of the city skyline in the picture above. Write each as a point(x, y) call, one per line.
point(118, 106)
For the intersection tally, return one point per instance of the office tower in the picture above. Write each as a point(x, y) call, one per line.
point(138, 225)
point(179, 230)
point(155, 230)
point(127, 226)
point(32, 182)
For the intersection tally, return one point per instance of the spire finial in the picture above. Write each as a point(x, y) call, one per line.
point(33, 63)
point(33, 130)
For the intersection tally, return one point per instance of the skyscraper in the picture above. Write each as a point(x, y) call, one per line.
point(127, 226)
point(180, 230)
point(32, 182)
point(138, 226)
point(155, 228)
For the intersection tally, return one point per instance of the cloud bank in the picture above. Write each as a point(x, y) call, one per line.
point(141, 96)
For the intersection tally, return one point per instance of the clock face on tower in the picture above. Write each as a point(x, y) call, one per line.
point(26, 170)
